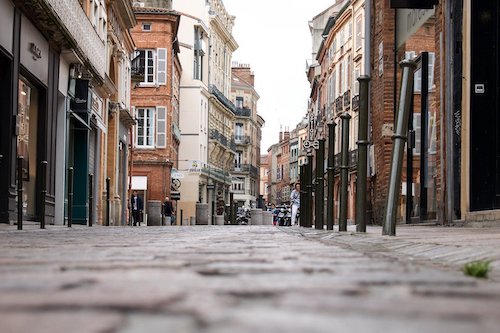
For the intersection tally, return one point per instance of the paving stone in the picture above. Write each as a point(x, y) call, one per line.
point(242, 279)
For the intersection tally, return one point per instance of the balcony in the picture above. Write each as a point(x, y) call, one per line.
point(246, 168)
point(216, 173)
point(339, 104)
point(347, 100)
point(136, 70)
point(243, 112)
point(221, 139)
point(355, 103)
point(352, 160)
point(223, 99)
point(242, 139)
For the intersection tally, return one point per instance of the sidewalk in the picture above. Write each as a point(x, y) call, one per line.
point(450, 247)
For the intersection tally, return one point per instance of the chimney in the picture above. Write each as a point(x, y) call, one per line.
point(286, 135)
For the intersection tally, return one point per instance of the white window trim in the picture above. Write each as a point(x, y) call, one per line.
point(145, 83)
point(153, 126)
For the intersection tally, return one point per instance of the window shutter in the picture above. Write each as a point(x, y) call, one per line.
point(161, 127)
point(161, 66)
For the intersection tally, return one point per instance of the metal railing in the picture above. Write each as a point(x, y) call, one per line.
point(355, 103)
point(339, 104)
point(243, 112)
point(347, 99)
point(242, 139)
point(223, 99)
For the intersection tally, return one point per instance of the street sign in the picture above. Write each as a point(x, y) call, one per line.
point(176, 184)
point(177, 175)
point(175, 195)
point(310, 144)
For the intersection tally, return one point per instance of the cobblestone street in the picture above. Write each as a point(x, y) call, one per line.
point(231, 279)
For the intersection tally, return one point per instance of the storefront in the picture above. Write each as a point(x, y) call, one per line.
point(29, 82)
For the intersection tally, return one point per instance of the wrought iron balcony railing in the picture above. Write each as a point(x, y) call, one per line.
point(347, 100)
point(355, 103)
point(339, 104)
point(242, 139)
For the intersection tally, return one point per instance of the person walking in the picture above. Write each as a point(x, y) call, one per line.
point(137, 207)
point(168, 210)
point(295, 202)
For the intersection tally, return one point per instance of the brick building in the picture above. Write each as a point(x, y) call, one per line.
point(156, 102)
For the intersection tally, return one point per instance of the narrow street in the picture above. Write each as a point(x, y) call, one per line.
point(231, 279)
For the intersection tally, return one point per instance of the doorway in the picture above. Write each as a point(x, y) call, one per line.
point(27, 144)
point(5, 134)
point(484, 108)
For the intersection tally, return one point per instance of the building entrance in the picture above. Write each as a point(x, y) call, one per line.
point(484, 108)
point(27, 144)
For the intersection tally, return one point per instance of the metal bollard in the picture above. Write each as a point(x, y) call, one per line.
point(344, 169)
point(43, 192)
point(163, 215)
point(302, 195)
point(91, 198)
point(108, 180)
point(20, 160)
point(182, 216)
point(362, 154)
point(319, 221)
point(399, 139)
point(331, 175)
point(232, 215)
point(309, 185)
point(70, 196)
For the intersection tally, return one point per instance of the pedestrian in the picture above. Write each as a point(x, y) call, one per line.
point(168, 210)
point(137, 207)
point(295, 202)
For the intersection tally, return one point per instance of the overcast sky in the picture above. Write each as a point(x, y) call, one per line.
point(274, 38)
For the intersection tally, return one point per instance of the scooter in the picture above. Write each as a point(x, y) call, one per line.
point(285, 217)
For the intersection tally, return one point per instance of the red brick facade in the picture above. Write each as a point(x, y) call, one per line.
point(156, 163)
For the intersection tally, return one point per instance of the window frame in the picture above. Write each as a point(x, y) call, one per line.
point(152, 120)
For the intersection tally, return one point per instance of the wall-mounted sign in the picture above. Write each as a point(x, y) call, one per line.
point(35, 51)
point(80, 102)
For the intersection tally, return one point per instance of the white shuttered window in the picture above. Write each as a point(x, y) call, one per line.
point(161, 126)
point(161, 66)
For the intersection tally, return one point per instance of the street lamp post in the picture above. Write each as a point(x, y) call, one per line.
point(330, 169)
point(344, 169)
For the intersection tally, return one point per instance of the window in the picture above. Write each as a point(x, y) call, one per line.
point(146, 27)
point(355, 83)
point(237, 159)
point(145, 128)
point(417, 80)
point(146, 65)
point(359, 32)
point(238, 132)
point(199, 52)
point(239, 102)
point(151, 124)
point(341, 78)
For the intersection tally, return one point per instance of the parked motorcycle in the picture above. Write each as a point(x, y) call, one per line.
point(242, 216)
point(285, 217)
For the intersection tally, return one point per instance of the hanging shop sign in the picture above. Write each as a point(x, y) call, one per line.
point(409, 21)
point(418, 4)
